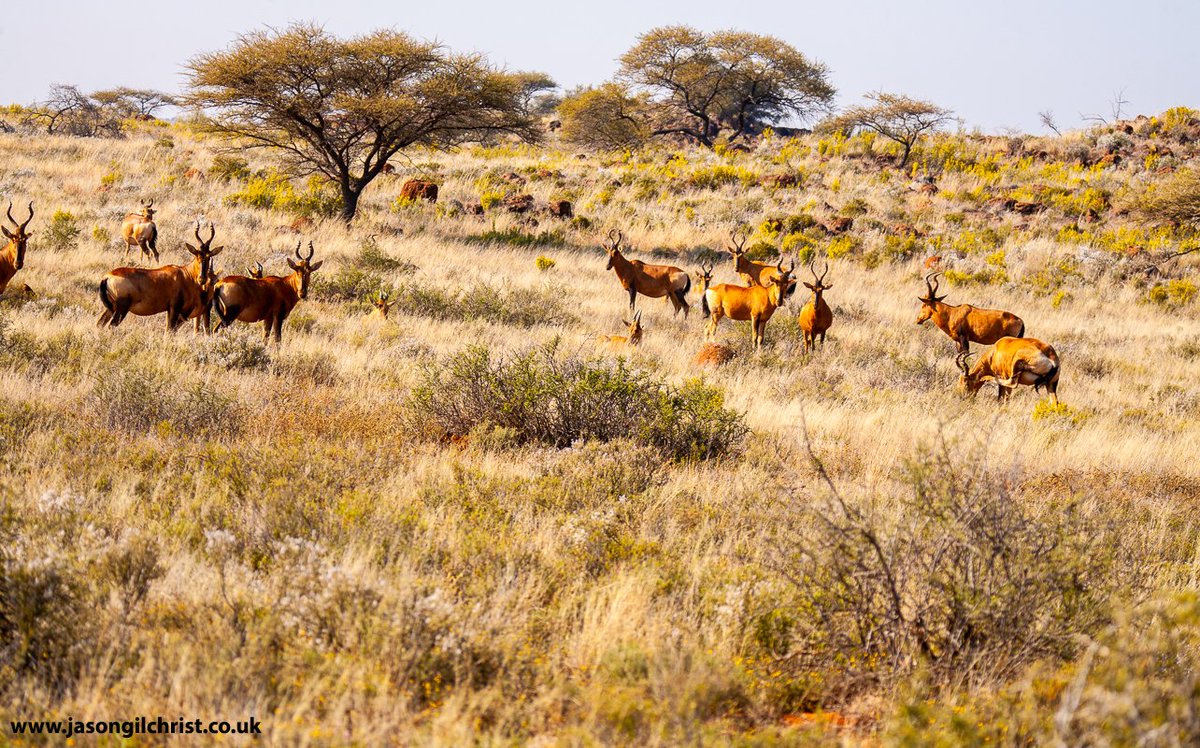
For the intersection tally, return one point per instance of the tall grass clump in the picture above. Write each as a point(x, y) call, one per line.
point(541, 396)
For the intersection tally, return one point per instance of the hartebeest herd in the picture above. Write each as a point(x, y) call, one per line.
point(193, 291)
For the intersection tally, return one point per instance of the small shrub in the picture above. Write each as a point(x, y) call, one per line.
point(516, 237)
point(229, 168)
point(544, 263)
point(372, 258)
point(100, 235)
point(235, 349)
point(63, 231)
point(1172, 293)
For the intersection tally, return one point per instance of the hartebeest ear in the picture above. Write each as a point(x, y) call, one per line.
point(10, 236)
point(827, 287)
point(316, 266)
point(190, 248)
point(810, 287)
point(216, 251)
point(292, 265)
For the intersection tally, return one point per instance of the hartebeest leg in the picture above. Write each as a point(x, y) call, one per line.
point(267, 324)
point(104, 318)
point(279, 328)
point(632, 299)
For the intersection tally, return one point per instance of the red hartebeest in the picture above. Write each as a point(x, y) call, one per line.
point(139, 230)
point(1012, 362)
point(633, 339)
point(816, 316)
point(964, 323)
point(12, 257)
point(755, 303)
point(269, 299)
point(382, 303)
point(752, 273)
point(654, 281)
point(182, 291)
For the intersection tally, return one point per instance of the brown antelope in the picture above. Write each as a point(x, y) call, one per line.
point(654, 281)
point(1011, 362)
point(139, 230)
point(633, 339)
point(269, 299)
point(964, 323)
point(816, 316)
point(755, 303)
point(182, 291)
point(752, 273)
point(383, 304)
point(12, 257)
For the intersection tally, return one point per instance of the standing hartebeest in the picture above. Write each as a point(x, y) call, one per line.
point(654, 281)
point(139, 230)
point(12, 257)
point(751, 272)
point(964, 323)
point(1013, 361)
point(816, 316)
point(633, 339)
point(269, 299)
point(182, 291)
point(755, 303)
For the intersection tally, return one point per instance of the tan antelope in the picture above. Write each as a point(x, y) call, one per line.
point(654, 281)
point(633, 339)
point(964, 323)
point(752, 273)
point(1012, 362)
point(383, 304)
point(12, 257)
point(816, 316)
point(755, 303)
point(269, 299)
point(182, 291)
point(139, 230)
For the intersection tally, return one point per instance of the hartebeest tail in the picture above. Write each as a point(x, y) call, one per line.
point(654, 281)
point(633, 339)
point(12, 257)
point(752, 273)
point(269, 299)
point(1012, 362)
point(139, 230)
point(755, 303)
point(965, 324)
point(816, 317)
point(182, 291)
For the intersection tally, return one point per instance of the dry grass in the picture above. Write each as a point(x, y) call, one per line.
point(259, 531)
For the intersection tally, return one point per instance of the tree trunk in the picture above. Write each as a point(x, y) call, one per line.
point(349, 203)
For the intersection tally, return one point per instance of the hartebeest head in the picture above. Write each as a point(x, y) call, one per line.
point(204, 253)
point(383, 304)
point(818, 284)
point(148, 210)
point(968, 384)
point(613, 248)
point(255, 272)
point(18, 237)
point(706, 276)
point(635, 328)
point(930, 300)
point(737, 246)
point(305, 267)
point(782, 282)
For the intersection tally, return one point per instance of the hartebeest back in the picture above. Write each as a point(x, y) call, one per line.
point(964, 323)
point(654, 281)
point(634, 338)
point(1012, 362)
point(755, 303)
point(182, 291)
point(12, 257)
point(139, 230)
point(269, 299)
point(816, 317)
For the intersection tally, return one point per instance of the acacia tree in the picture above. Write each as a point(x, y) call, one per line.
point(133, 102)
point(898, 118)
point(605, 117)
point(699, 85)
point(343, 107)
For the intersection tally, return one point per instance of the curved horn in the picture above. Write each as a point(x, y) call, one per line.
point(10, 217)
point(931, 282)
point(739, 238)
point(149, 204)
point(297, 250)
point(212, 232)
point(311, 252)
point(825, 272)
point(198, 233)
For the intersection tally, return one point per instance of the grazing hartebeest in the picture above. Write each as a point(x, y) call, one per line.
point(654, 281)
point(1013, 361)
point(756, 303)
point(751, 272)
point(964, 323)
point(816, 316)
point(269, 299)
point(12, 257)
point(139, 230)
point(182, 291)
point(633, 339)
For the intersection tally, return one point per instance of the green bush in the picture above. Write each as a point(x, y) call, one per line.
point(542, 396)
point(518, 306)
point(63, 231)
point(272, 190)
point(516, 237)
point(1172, 293)
point(229, 168)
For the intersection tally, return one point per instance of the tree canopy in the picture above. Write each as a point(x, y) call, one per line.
point(605, 117)
point(343, 107)
point(901, 119)
point(700, 86)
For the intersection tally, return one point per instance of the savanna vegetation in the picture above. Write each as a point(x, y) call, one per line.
point(465, 522)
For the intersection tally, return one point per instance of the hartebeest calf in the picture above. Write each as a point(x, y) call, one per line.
point(752, 273)
point(633, 339)
point(12, 257)
point(139, 230)
point(654, 281)
point(1011, 362)
point(816, 316)
point(964, 323)
point(269, 299)
point(182, 291)
point(755, 303)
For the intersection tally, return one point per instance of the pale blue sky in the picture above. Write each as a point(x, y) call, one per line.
point(997, 64)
